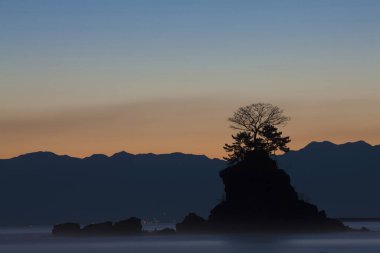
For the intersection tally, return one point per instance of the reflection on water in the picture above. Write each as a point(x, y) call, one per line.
point(33, 240)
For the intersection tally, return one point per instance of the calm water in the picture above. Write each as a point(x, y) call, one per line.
point(30, 240)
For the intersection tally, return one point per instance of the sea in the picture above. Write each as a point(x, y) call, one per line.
point(39, 240)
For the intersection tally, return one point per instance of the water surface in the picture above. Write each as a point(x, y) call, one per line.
point(33, 240)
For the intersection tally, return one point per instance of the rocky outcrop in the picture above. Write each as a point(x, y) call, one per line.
point(98, 228)
point(129, 226)
point(192, 223)
point(260, 197)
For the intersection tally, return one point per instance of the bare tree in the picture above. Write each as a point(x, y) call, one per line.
point(257, 125)
point(253, 118)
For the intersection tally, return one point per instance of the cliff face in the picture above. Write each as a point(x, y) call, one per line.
point(259, 196)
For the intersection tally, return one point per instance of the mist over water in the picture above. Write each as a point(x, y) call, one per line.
point(33, 240)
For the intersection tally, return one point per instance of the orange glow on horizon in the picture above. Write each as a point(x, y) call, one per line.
point(196, 127)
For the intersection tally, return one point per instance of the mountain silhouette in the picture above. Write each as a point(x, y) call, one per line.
point(44, 188)
point(342, 179)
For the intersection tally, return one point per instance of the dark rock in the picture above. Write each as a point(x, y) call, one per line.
point(124, 227)
point(66, 229)
point(260, 197)
point(192, 223)
point(99, 228)
point(128, 226)
point(364, 229)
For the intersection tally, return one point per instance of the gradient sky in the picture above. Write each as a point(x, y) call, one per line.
point(81, 77)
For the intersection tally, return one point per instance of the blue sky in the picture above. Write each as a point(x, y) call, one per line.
point(58, 57)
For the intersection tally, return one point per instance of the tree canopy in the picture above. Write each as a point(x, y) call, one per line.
point(257, 125)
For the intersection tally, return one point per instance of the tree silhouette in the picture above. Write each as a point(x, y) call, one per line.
point(241, 145)
point(257, 131)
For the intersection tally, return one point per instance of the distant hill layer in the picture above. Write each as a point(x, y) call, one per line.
point(45, 188)
point(342, 179)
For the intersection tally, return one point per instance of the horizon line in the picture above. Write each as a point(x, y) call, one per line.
point(174, 152)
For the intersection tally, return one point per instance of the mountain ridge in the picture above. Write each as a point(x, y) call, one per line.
point(120, 154)
point(310, 145)
point(340, 178)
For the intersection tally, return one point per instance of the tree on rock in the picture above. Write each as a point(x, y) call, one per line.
point(257, 125)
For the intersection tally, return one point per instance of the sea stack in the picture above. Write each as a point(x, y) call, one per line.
point(259, 197)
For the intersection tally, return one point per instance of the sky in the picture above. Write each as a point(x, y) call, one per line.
point(81, 77)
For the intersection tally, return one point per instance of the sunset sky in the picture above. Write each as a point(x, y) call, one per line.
point(81, 77)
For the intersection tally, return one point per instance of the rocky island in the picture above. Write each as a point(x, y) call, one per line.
point(260, 198)
point(130, 226)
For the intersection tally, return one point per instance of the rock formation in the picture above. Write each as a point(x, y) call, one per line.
point(129, 226)
point(98, 228)
point(192, 223)
point(259, 197)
